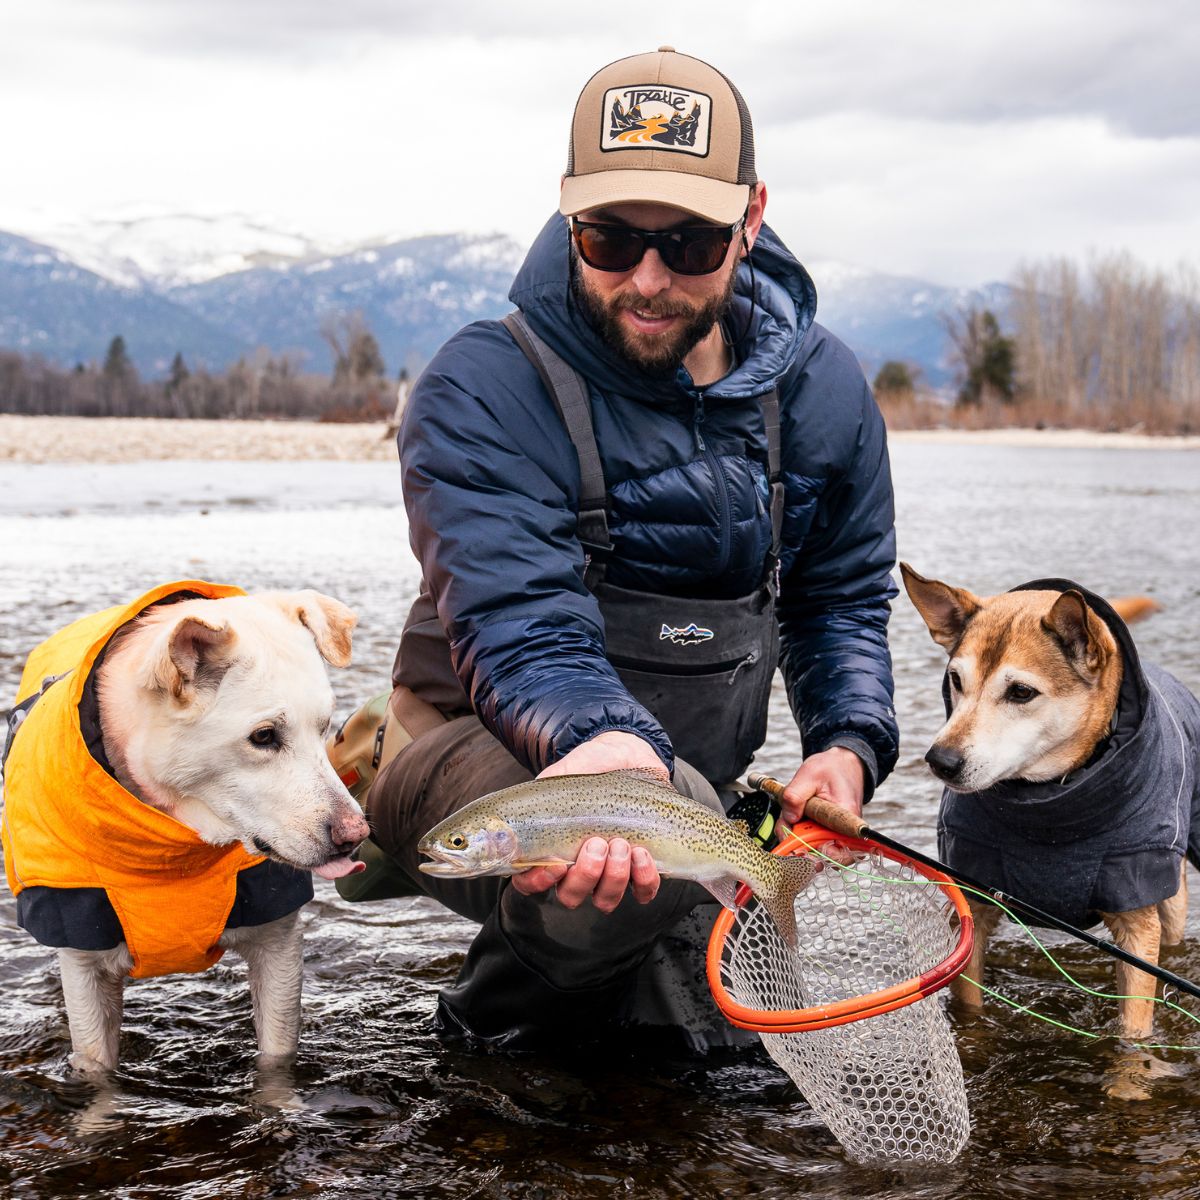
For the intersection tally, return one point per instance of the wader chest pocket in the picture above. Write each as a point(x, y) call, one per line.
point(702, 667)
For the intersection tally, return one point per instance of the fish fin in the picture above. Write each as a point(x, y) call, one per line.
point(796, 873)
point(724, 888)
point(526, 863)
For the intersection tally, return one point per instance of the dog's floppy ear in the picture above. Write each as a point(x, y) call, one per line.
point(945, 609)
point(191, 653)
point(1079, 631)
point(328, 620)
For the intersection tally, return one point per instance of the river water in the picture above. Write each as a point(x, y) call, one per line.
point(380, 1107)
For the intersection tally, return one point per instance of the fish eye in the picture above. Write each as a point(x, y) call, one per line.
point(264, 737)
point(1020, 693)
point(456, 841)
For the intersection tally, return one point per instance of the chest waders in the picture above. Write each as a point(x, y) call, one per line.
point(703, 667)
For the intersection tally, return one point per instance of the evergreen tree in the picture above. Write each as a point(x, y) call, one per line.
point(118, 366)
point(986, 359)
point(894, 376)
point(179, 373)
point(364, 361)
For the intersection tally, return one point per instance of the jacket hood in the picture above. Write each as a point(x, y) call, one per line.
point(779, 301)
point(1102, 789)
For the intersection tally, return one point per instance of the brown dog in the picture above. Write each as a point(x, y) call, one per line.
point(1070, 768)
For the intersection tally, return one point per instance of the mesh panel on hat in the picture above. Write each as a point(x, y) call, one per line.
point(746, 172)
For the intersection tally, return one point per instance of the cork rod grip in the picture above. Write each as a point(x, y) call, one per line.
point(824, 812)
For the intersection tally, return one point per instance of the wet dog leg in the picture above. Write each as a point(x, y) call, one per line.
point(965, 987)
point(93, 983)
point(1137, 932)
point(274, 954)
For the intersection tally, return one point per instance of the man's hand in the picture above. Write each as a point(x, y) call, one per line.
point(835, 774)
point(604, 869)
point(609, 751)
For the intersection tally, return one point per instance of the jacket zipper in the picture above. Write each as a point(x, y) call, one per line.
point(718, 475)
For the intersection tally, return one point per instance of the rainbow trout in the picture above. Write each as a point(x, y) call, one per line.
point(544, 823)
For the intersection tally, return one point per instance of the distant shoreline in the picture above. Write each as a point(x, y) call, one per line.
point(147, 439)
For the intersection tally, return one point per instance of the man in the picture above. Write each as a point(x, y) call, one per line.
point(628, 507)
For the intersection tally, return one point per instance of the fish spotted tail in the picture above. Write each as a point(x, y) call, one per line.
point(794, 874)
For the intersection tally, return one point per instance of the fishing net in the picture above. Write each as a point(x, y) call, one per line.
point(850, 1014)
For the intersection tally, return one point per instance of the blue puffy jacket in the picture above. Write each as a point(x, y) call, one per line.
point(491, 484)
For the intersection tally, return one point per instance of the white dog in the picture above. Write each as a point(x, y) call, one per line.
point(155, 785)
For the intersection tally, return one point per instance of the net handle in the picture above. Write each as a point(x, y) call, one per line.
point(824, 812)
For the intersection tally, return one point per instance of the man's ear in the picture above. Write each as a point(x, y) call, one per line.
point(189, 656)
point(755, 212)
point(944, 609)
point(1079, 632)
point(329, 621)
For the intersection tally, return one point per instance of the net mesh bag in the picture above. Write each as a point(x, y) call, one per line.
point(888, 1084)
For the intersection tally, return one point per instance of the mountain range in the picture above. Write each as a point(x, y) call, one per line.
point(217, 289)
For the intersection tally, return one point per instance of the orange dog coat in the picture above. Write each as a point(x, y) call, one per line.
point(69, 824)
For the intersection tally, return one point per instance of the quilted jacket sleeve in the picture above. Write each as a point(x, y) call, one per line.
point(491, 489)
point(837, 583)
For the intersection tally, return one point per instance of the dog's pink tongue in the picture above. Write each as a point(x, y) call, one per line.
point(337, 867)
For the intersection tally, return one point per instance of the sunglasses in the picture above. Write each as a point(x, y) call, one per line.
point(691, 250)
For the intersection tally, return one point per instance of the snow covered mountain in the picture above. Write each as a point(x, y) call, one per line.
point(161, 250)
point(219, 288)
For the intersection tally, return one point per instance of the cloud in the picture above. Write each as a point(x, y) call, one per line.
point(1132, 65)
point(936, 139)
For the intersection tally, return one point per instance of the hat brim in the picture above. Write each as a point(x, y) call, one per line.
point(711, 199)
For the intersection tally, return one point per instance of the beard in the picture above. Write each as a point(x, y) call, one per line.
point(658, 355)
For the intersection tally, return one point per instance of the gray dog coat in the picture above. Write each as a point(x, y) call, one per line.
point(1110, 837)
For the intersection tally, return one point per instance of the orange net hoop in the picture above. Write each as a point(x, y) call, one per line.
point(935, 959)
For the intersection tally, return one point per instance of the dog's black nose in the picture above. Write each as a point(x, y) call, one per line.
point(944, 763)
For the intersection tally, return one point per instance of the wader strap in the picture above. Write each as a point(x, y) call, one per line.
point(569, 393)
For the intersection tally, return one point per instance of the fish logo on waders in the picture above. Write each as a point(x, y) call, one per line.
point(687, 635)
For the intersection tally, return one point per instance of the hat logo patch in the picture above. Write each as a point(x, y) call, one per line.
point(650, 116)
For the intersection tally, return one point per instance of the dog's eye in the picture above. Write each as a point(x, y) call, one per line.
point(264, 737)
point(955, 682)
point(1020, 693)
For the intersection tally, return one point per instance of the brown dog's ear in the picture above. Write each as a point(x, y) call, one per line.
point(328, 620)
point(1079, 631)
point(944, 609)
point(191, 654)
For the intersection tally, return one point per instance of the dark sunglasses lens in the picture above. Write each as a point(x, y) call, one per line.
point(608, 248)
point(696, 251)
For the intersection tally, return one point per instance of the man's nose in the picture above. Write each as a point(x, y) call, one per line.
point(651, 276)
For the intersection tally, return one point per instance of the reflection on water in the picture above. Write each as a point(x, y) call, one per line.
point(378, 1106)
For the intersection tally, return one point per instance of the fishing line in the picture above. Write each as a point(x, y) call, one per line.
point(1075, 983)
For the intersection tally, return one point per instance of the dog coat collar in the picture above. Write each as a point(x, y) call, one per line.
point(69, 824)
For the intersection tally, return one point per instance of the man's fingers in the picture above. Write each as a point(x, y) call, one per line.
point(581, 880)
point(643, 876)
point(603, 871)
point(615, 878)
point(538, 879)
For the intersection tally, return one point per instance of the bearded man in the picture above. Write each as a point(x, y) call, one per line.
point(631, 500)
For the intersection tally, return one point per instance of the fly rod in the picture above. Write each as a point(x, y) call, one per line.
point(843, 821)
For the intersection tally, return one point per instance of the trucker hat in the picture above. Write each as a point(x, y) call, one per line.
point(661, 128)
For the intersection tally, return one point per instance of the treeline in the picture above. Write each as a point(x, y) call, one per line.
point(263, 386)
point(1115, 345)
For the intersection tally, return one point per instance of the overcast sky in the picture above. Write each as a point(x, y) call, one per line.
point(944, 140)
